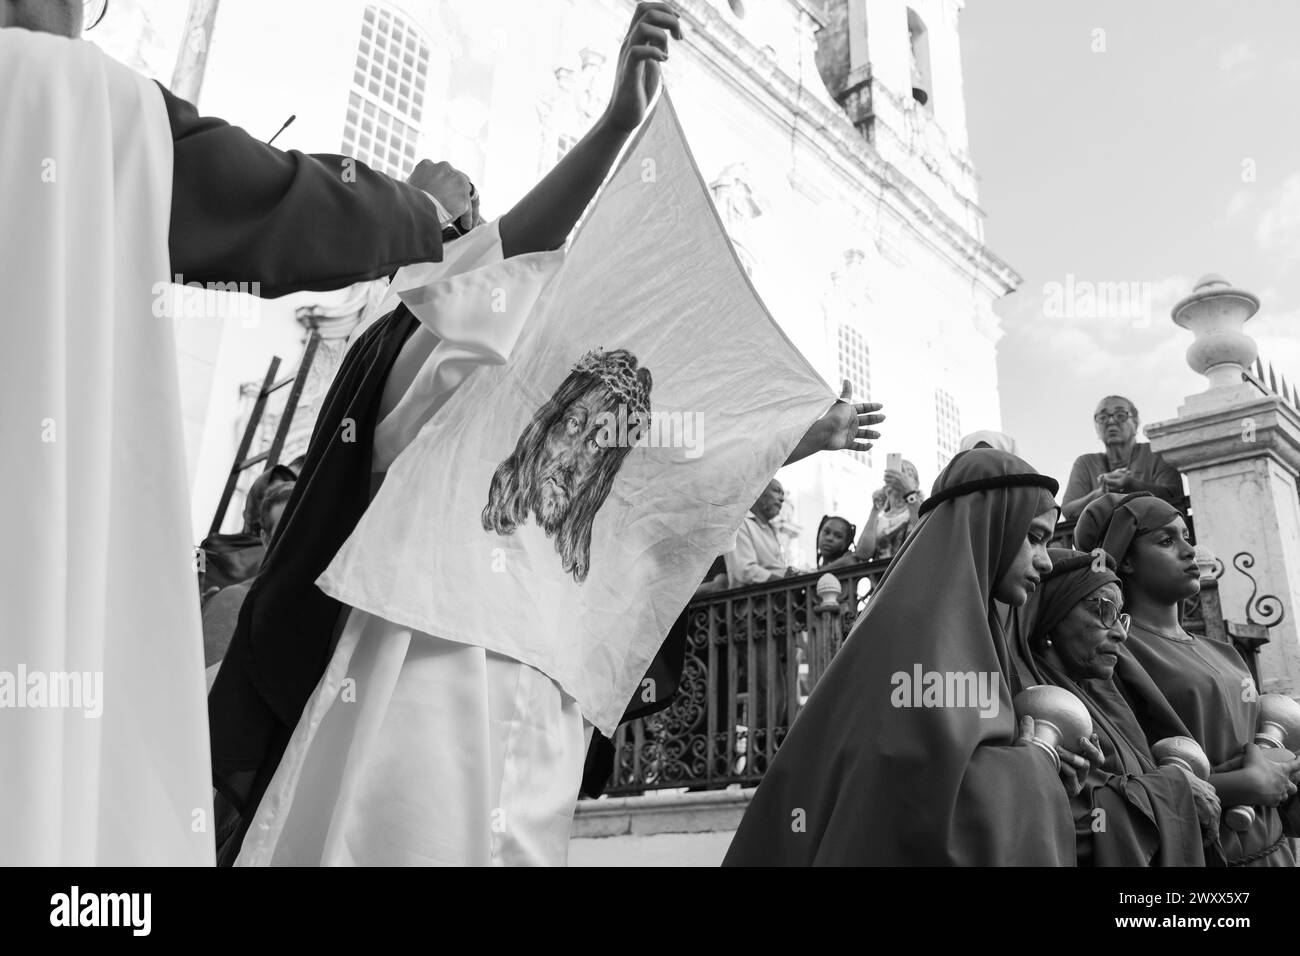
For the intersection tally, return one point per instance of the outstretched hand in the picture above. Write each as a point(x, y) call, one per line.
point(845, 425)
point(644, 48)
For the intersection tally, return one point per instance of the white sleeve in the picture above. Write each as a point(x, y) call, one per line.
point(471, 307)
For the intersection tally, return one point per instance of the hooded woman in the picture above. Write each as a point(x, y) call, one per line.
point(908, 752)
point(1180, 685)
point(1129, 812)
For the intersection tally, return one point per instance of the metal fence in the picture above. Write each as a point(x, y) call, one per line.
point(753, 655)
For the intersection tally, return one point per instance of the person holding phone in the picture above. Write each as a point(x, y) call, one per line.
point(895, 510)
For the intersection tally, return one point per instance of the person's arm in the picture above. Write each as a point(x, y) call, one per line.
point(1258, 781)
point(913, 512)
point(1077, 493)
point(1166, 481)
point(544, 218)
point(712, 586)
point(902, 485)
point(844, 426)
point(846, 560)
point(245, 212)
point(866, 545)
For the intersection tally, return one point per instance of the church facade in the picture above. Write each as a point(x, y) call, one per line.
point(832, 134)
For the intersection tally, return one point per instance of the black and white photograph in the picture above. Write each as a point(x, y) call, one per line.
point(652, 434)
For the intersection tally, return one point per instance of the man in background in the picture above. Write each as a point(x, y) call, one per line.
point(757, 555)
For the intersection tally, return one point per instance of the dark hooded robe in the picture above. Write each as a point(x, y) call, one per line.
point(1130, 812)
point(1191, 687)
point(867, 778)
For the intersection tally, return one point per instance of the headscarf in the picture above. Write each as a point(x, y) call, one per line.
point(1072, 578)
point(989, 439)
point(1112, 521)
point(876, 783)
point(1150, 814)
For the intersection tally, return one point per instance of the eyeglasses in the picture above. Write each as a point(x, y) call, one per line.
point(1109, 613)
point(1119, 418)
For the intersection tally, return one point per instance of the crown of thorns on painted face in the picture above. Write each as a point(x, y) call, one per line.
point(563, 465)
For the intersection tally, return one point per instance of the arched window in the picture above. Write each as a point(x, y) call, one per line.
point(918, 39)
point(855, 365)
point(947, 427)
point(386, 103)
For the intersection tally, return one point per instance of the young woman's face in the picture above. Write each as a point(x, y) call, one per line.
point(1162, 564)
point(1088, 647)
point(1030, 564)
point(833, 540)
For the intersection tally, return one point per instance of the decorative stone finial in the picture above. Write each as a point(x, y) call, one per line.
point(1216, 313)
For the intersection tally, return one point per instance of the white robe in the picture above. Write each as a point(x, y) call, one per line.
point(414, 750)
point(97, 573)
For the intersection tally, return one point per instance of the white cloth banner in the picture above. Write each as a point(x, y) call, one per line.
point(103, 725)
point(541, 513)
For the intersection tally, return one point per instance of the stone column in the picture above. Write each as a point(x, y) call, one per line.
point(1239, 446)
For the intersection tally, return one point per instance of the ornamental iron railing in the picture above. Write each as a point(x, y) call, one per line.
point(753, 654)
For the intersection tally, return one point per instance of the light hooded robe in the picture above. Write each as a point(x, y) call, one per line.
point(109, 187)
point(92, 422)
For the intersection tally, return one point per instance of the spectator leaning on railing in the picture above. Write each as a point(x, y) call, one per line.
point(1126, 465)
point(757, 555)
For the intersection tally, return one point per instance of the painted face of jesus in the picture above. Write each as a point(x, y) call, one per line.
point(570, 455)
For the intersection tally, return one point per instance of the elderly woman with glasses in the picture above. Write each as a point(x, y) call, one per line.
point(1126, 465)
point(1127, 810)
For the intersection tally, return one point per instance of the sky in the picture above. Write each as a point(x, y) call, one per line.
point(1147, 143)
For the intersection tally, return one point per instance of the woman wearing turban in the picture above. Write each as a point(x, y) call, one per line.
point(1180, 685)
point(884, 766)
point(1128, 812)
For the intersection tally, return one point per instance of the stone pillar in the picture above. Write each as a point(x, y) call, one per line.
point(1239, 447)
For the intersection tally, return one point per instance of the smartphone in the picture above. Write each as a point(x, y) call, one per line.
point(894, 461)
